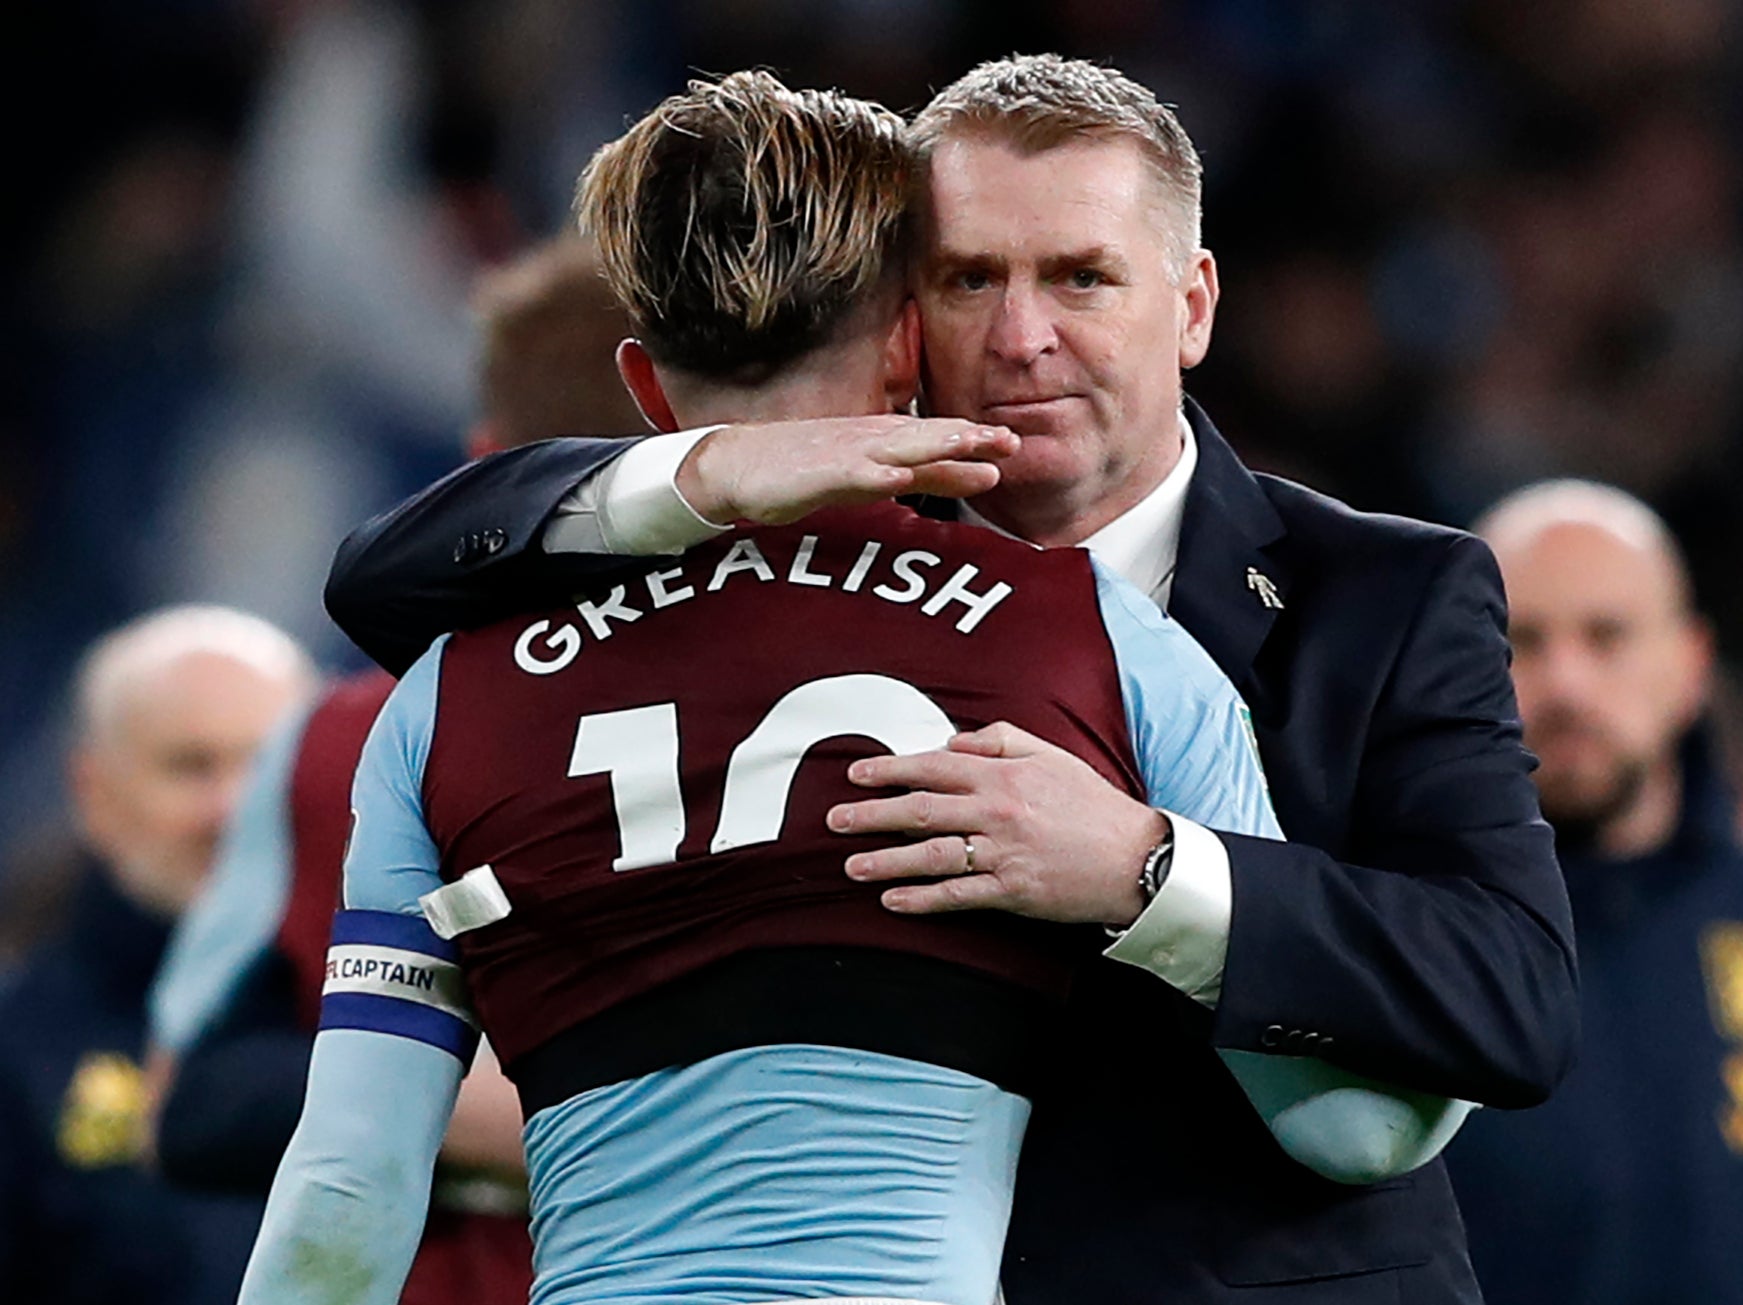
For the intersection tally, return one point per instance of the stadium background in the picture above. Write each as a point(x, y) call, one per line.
point(1463, 244)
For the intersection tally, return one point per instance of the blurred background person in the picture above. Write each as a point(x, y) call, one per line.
point(169, 711)
point(1627, 1186)
point(235, 1009)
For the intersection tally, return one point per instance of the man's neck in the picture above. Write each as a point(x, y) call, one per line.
point(1650, 821)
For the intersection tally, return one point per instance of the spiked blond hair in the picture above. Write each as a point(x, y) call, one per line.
point(1037, 102)
point(741, 222)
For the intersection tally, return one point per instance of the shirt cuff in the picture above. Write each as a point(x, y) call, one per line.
point(632, 507)
point(1183, 935)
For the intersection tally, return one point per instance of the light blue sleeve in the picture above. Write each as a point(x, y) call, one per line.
point(1195, 746)
point(349, 1202)
point(1190, 730)
point(391, 860)
point(232, 923)
point(348, 1206)
point(1342, 1125)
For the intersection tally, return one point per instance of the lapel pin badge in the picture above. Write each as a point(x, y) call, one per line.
point(1261, 585)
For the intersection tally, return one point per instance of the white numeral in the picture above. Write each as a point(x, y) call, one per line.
point(638, 748)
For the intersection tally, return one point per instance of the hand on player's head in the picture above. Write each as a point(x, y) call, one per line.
point(776, 472)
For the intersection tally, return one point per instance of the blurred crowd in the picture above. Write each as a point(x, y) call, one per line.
point(1464, 244)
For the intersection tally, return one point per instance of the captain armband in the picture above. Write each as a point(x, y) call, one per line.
point(390, 973)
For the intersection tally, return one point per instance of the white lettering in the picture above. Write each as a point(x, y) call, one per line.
point(801, 573)
point(862, 564)
point(662, 596)
point(955, 590)
point(598, 617)
point(904, 566)
point(566, 640)
point(638, 749)
point(759, 776)
point(742, 556)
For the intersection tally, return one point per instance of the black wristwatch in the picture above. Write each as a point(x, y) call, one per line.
point(1157, 863)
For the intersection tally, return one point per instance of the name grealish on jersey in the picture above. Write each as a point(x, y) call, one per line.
point(910, 576)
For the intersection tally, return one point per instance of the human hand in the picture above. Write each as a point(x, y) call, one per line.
point(1051, 838)
point(775, 472)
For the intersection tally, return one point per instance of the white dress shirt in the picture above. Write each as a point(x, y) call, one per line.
point(633, 508)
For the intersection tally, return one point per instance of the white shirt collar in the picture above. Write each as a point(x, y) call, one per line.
point(1143, 542)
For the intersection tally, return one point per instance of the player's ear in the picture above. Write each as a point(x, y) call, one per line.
point(902, 358)
point(643, 384)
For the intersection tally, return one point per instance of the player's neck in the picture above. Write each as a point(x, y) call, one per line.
point(830, 383)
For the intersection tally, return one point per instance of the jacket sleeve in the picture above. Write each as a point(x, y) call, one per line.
point(1442, 959)
point(465, 551)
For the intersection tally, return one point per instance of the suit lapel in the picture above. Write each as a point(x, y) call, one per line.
point(1227, 590)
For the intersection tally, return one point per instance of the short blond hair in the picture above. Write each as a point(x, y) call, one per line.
point(741, 223)
point(548, 328)
point(1038, 102)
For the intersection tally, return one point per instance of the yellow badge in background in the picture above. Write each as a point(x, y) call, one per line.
point(1731, 1113)
point(102, 1119)
point(1722, 959)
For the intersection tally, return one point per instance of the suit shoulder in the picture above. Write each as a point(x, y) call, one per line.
point(1331, 536)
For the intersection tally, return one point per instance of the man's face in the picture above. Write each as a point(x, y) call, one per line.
point(1609, 669)
point(159, 780)
point(1050, 305)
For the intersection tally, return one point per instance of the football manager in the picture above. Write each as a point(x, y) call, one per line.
point(1415, 926)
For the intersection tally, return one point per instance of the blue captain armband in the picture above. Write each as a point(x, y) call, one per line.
point(390, 973)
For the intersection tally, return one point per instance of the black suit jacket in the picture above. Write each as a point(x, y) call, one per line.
point(1415, 927)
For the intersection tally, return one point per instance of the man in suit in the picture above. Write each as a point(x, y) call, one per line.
point(1629, 1185)
point(1415, 927)
point(168, 713)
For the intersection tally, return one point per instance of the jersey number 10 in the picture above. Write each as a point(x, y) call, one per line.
point(638, 748)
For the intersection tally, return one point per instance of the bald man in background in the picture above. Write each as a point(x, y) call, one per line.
point(168, 713)
point(1627, 1187)
point(236, 1004)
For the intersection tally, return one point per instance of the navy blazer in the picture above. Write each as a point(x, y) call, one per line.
point(1415, 927)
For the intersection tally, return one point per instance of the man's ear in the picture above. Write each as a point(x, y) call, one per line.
point(643, 384)
point(1198, 296)
point(94, 801)
point(1697, 656)
point(902, 358)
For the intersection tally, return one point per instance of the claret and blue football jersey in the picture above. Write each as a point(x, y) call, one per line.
point(745, 1079)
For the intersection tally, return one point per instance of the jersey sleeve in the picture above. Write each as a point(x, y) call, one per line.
point(349, 1202)
point(1190, 730)
point(387, 970)
point(348, 1205)
point(233, 922)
